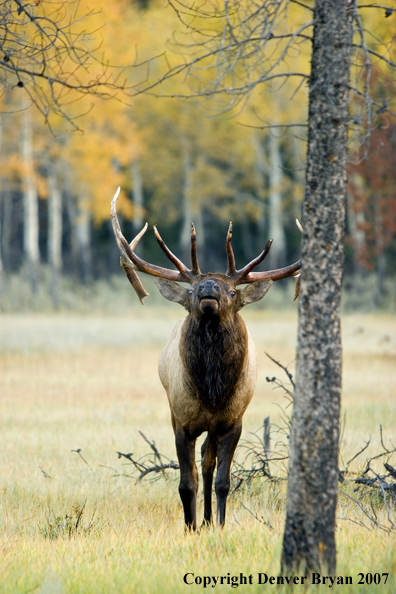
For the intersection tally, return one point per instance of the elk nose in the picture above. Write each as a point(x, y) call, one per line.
point(209, 288)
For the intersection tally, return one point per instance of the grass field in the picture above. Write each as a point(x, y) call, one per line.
point(90, 383)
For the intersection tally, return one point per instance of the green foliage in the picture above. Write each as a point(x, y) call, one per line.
point(71, 525)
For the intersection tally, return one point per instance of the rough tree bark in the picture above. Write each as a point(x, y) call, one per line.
point(309, 542)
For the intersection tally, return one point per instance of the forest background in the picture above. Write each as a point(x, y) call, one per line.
point(174, 165)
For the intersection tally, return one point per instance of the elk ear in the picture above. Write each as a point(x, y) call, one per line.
point(171, 291)
point(254, 292)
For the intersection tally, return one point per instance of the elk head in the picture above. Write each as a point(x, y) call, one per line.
point(213, 293)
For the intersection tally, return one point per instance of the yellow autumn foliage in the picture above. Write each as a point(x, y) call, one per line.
point(133, 45)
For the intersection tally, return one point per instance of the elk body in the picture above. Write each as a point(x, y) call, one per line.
point(209, 366)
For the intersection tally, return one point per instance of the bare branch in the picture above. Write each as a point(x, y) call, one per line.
point(377, 55)
point(356, 455)
point(158, 468)
point(302, 4)
point(259, 519)
point(45, 52)
point(371, 518)
point(366, 69)
point(285, 369)
point(387, 9)
point(152, 446)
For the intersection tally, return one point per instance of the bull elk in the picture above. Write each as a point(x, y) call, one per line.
point(209, 366)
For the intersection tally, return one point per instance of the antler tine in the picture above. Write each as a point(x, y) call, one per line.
point(194, 257)
point(245, 275)
point(230, 253)
point(275, 275)
point(297, 276)
point(182, 268)
point(125, 262)
point(132, 262)
point(239, 275)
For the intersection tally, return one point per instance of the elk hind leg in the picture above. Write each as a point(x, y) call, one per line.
point(226, 445)
point(188, 486)
point(208, 453)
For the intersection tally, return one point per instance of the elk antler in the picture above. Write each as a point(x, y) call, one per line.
point(188, 274)
point(125, 262)
point(245, 274)
point(194, 257)
point(132, 262)
point(297, 275)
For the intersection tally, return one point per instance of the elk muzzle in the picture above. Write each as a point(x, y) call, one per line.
point(209, 296)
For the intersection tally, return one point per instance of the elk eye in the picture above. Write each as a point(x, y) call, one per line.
point(190, 292)
point(233, 293)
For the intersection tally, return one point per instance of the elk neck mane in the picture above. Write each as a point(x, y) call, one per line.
point(213, 351)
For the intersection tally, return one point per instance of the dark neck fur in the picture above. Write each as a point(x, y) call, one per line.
point(213, 354)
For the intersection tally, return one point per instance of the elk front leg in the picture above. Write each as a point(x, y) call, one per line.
point(226, 445)
point(208, 453)
point(188, 486)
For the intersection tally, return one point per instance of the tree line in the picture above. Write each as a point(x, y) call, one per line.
point(174, 165)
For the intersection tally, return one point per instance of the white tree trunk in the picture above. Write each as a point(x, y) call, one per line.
point(1, 212)
point(80, 221)
point(83, 236)
point(191, 211)
point(381, 258)
point(6, 227)
point(138, 198)
point(356, 222)
point(277, 255)
point(262, 170)
point(30, 201)
point(54, 233)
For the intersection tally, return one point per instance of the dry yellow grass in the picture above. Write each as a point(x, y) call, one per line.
point(70, 382)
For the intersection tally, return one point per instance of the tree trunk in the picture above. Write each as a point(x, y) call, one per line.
point(1, 217)
point(192, 212)
point(261, 170)
point(309, 542)
point(1, 259)
point(277, 255)
point(380, 284)
point(380, 252)
point(54, 233)
point(83, 236)
point(137, 192)
point(356, 220)
point(6, 227)
point(80, 224)
point(30, 202)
